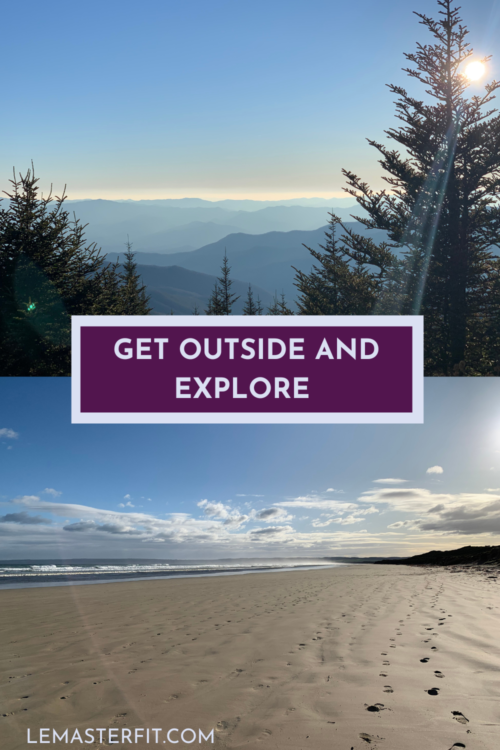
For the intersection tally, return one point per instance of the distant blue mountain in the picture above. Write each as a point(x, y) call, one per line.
point(178, 290)
point(165, 226)
point(265, 261)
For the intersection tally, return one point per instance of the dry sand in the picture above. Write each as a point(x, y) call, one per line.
point(339, 659)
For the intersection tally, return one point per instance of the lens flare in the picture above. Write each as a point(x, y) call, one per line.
point(475, 70)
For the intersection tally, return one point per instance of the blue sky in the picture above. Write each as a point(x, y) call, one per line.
point(222, 99)
point(208, 491)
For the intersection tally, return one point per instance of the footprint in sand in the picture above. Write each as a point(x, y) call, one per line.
point(438, 674)
point(370, 737)
point(424, 660)
point(221, 726)
point(457, 744)
point(433, 691)
point(382, 674)
point(375, 707)
point(458, 716)
point(386, 663)
point(265, 734)
point(388, 689)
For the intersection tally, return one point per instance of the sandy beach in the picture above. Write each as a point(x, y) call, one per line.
point(353, 657)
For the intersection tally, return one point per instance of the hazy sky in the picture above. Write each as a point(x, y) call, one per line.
point(223, 99)
point(220, 491)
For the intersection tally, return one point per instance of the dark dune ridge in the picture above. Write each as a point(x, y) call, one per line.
point(463, 556)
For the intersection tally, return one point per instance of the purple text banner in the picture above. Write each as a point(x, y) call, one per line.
point(269, 369)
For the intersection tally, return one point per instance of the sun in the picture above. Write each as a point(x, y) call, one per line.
point(475, 70)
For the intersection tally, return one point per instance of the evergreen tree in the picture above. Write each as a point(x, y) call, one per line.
point(222, 300)
point(252, 307)
point(279, 306)
point(215, 303)
point(135, 301)
point(440, 211)
point(227, 297)
point(48, 272)
point(337, 285)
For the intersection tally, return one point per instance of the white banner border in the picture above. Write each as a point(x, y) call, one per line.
point(416, 322)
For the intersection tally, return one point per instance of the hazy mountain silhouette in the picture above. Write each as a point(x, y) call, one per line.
point(264, 260)
point(178, 290)
point(160, 226)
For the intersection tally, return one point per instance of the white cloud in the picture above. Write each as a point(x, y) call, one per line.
point(343, 521)
point(463, 513)
point(313, 501)
point(231, 517)
point(5, 432)
point(126, 505)
point(242, 495)
point(389, 480)
point(271, 515)
point(435, 470)
point(127, 497)
point(50, 491)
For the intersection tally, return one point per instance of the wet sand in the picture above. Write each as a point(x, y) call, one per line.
point(364, 656)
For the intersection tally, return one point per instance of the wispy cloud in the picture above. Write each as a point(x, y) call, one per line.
point(313, 501)
point(23, 518)
point(390, 480)
point(50, 491)
point(435, 470)
point(5, 432)
point(271, 515)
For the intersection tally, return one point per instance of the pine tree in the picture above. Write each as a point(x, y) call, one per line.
point(48, 272)
point(135, 301)
point(440, 210)
point(215, 303)
point(251, 306)
point(337, 285)
point(279, 306)
point(222, 300)
point(225, 283)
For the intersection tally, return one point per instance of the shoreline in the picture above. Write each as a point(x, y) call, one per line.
point(163, 576)
point(332, 659)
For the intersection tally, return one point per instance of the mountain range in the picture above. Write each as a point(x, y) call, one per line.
point(166, 227)
point(265, 261)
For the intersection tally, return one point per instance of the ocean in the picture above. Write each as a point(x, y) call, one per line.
point(28, 574)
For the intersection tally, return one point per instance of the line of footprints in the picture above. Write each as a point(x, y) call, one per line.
point(377, 707)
